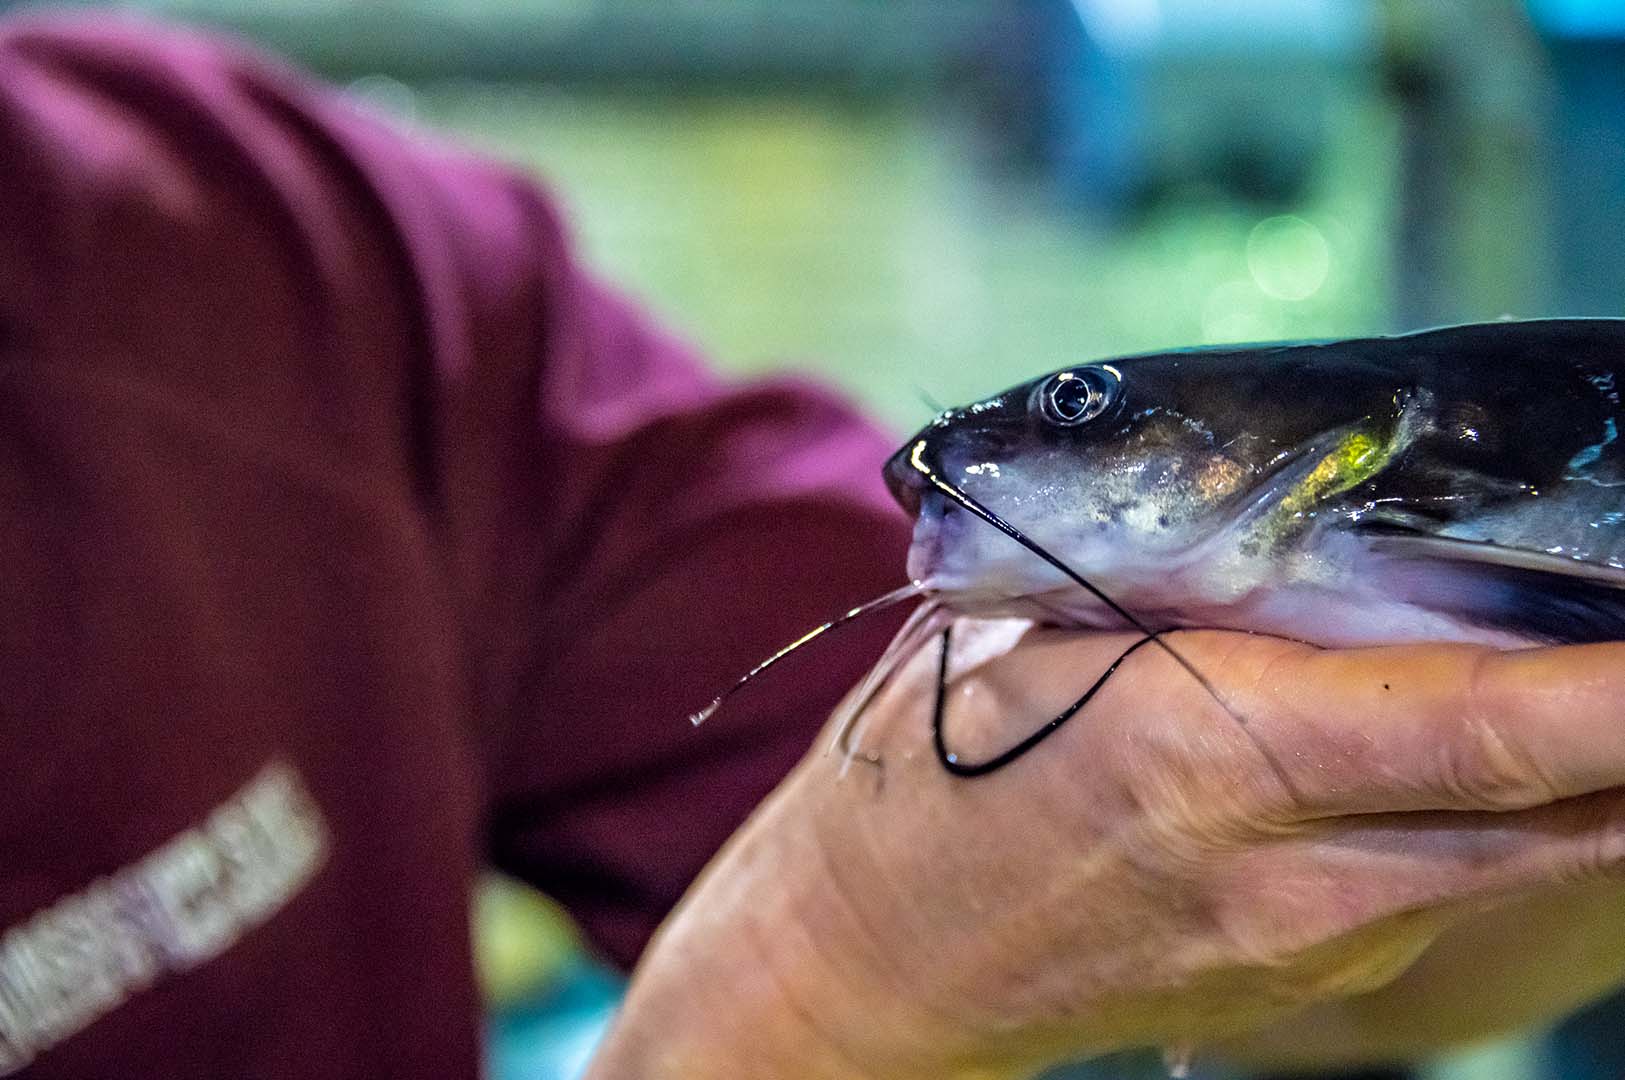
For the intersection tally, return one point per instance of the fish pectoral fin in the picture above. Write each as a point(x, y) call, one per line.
point(1532, 593)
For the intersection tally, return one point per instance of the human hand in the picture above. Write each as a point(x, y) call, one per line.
point(1156, 873)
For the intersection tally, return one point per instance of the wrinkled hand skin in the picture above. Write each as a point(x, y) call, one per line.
point(1369, 853)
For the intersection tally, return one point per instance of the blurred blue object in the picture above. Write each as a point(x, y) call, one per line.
point(1579, 18)
point(553, 1036)
point(1139, 96)
point(1587, 1046)
point(1586, 134)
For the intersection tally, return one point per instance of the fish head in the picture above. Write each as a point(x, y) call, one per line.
point(1127, 469)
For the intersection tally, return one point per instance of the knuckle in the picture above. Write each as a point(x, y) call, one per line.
point(1264, 804)
point(1481, 766)
point(1218, 802)
point(1263, 793)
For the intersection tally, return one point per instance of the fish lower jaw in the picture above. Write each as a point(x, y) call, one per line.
point(1063, 606)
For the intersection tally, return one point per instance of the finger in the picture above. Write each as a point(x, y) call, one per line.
point(1353, 872)
point(1433, 727)
point(1322, 732)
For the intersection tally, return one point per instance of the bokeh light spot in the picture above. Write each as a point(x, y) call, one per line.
point(1288, 257)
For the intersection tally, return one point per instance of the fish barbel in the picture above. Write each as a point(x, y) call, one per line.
point(1463, 484)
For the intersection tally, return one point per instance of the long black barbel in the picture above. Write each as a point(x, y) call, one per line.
point(939, 739)
point(896, 596)
point(916, 459)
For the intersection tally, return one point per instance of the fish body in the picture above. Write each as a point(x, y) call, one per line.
point(1460, 484)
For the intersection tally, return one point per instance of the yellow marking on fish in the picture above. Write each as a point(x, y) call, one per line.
point(1357, 458)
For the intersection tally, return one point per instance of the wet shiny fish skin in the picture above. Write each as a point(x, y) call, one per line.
point(1465, 484)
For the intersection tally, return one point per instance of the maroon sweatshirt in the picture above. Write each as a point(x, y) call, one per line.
point(352, 537)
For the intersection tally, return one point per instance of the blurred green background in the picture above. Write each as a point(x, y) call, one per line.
point(926, 201)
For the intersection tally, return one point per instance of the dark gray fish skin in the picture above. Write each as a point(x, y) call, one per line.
point(1464, 483)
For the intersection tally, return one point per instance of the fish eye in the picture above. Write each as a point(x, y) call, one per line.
point(1073, 398)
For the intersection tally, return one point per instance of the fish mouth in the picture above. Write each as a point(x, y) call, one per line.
point(931, 511)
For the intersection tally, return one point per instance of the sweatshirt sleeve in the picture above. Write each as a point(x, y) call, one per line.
point(617, 532)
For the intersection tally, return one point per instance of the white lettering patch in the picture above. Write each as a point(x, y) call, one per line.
point(181, 905)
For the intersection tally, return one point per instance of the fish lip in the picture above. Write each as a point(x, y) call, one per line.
point(926, 548)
